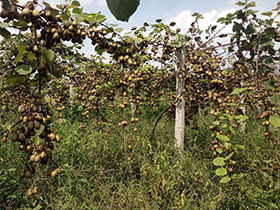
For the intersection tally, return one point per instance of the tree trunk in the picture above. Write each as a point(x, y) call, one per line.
point(180, 105)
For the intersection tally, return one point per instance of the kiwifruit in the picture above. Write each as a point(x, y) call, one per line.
point(74, 23)
point(55, 36)
point(39, 36)
point(21, 137)
point(57, 138)
point(43, 154)
point(28, 148)
point(48, 151)
point(30, 126)
point(71, 28)
point(4, 139)
point(37, 158)
point(21, 108)
point(4, 14)
point(37, 125)
point(40, 148)
point(22, 175)
point(49, 14)
point(49, 118)
point(51, 145)
point(25, 11)
point(38, 117)
point(32, 133)
point(28, 174)
point(53, 30)
point(42, 65)
point(34, 108)
point(29, 193)
point(35, 190)
point(14, 137)
point(35, 13)
point(25, 119)
point(32, 158)
point(58, 17)
point(22, 147)
point(38, 102)
point(54, 173)
point(52, 136)
point(43, 134)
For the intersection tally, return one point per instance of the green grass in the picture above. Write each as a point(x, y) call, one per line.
point(95, 172)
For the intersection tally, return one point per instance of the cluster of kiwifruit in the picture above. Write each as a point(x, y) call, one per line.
point(35, 136)
point(10, 14)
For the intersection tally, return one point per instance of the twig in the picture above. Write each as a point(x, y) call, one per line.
point(5, 131)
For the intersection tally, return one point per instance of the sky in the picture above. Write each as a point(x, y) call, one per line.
point(179, 11)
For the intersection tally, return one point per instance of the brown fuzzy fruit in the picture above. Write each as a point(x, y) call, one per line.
point(21, 137)
point(25, 12)
point(52, 136)
point(35, 13)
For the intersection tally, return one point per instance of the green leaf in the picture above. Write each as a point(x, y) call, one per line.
point(232, 130)
point(31, 56)
point(268, 61)
point(227, 145)
point(223, 138)
point(229, 156)
point(24, 69)
point(21, 52)
point(231, 104)
point(225, 179)
point(241, 117)
point(237, 91)
point(217, 122)
point(236, 27)
point(6, 4)
point(48, 55)
point(34, 83)
point(240, 3)
point(119, 30)
point(55, 70)
point(4, 32)
point(219, 150)
point(12, 79)
point(267, 14)
point(221, 171)
point(77, 11)
point(219, 161)
point(238, 147)
point(100, 18)
point(275, 121)
point(251, 4)
point(122, 9)
point(76, 3)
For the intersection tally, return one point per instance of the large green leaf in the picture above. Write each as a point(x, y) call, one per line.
point(122, 9)
point(6, 4)
point(225, 179)
point(223, 138)
point(274, 120)
point(237, 91)
point(4, 32)
point(221, 172)
point(24, 69)
point(48, 55)
point(241, 117)
point(219, 161)
point(12, 79)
